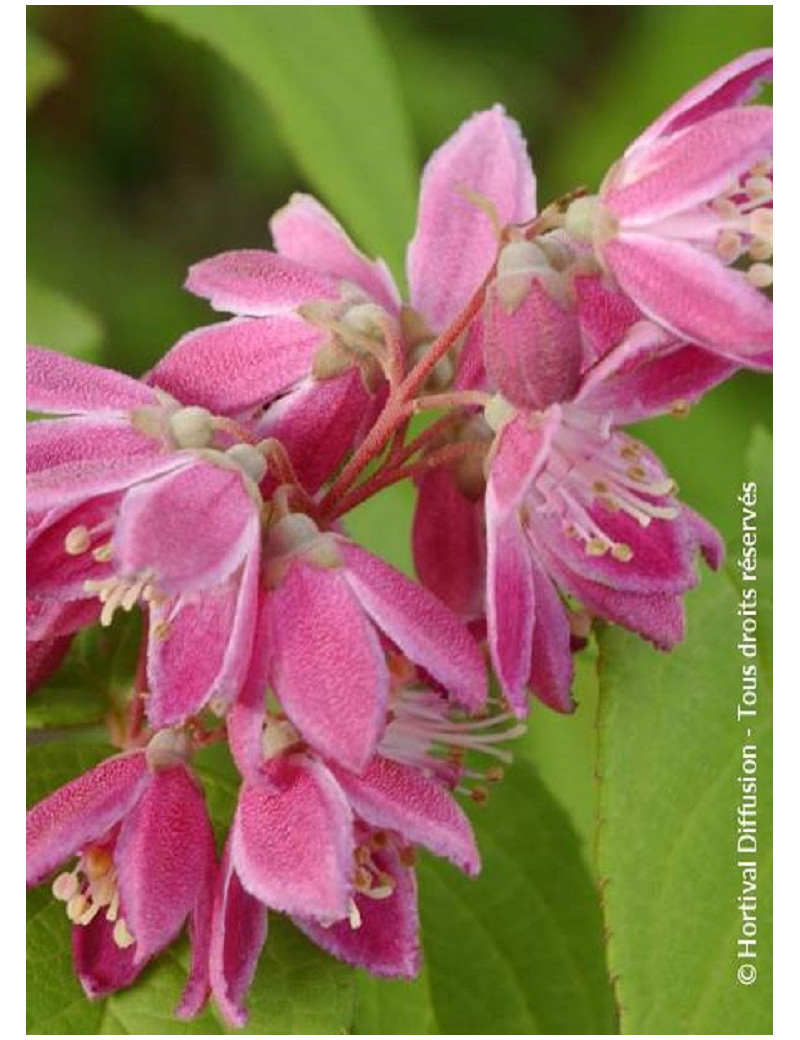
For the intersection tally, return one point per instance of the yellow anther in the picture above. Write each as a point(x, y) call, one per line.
point(760, 275)
point(622, 552)
point(596, 547)
point(96, 863)
point(637, 472)
point(761, 224)
point(121, 936)
point(728, 246)
point(408, 856)
point(762, 168)
point(630, 451)
point(362, 879)
point(759, 188)
point(65, 887)
point(600, 487)
point(354, 916)
point(726, 208)
point(379, 840)
point(479, 795)
point(494, 774)
point(161, 629)
point(76, 907)
point(680, 409)
point(77, 541)
point(760, 249)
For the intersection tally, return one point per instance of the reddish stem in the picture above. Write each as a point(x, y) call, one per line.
point(136, 707)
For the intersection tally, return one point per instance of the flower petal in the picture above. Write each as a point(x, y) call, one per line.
point(237, 365)
point(163, 856)
point(693, 295)
point(455, 242)
point(257, 283)
point(102, 967)
point(401, 798)
point(63, 385)
point(605, 315)
point(328, 668)
point(192, 528)
point(306, 232)
point(82, 810)
point(293, 849)
point(449, 543)
point(386, 942)
point(53, 572)
point(238, 935)
point(423, 628)
point(551, 668)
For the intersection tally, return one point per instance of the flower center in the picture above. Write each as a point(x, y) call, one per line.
point(91, 887)
point(744, 223)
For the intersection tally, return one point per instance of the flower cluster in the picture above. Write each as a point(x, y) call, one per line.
point(210, 496)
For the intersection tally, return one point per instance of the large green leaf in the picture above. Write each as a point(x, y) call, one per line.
point(54, 320)
point(327, 78)
point(518, 950)
point(297, 988)
point(672, 750)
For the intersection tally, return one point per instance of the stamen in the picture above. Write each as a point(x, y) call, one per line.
point(117, 592)
point(121, 936)
point(77, 541)
point(729, 246)
point(760, 275)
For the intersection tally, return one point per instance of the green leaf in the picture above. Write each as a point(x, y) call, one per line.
point(297, 988)
point(758, 464)
point(519, 950)
point(326, 76)
point(671, 752)
point(55, 321)
point(44, 67)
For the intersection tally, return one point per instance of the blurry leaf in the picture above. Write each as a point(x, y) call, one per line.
point(56, 706)
point(671, 755)
point(518, 950)
point(55, 321)
point(327, 78)
point(387, 1006)
point(44, 67)
point(759, 468)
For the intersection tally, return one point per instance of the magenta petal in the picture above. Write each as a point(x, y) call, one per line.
point(258, 283)
point(551, 667)
point(51, 571)
point(237, 365)
point(455, 243)
point(191, 529)
point(692, 167)
point(693, 295)
point(42, 657)
point(62, 385)
point(198, 985)
point(532, 354)
point(238, 934)
point(519, 455)
point(293, 849)
point(401, 798)
point(708, 539)
point(101, 966)
point(328, 668)
point(509, 603)
point(163, 856)
point(449, 543)
point(82, 810)
point(48, 619)
point(386, 941)
point(424, 629)
point(245, 720)
point(306, 232)
point(733, 84)
point(605, 315)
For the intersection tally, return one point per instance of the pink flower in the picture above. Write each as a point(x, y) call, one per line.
point(146, 863)
point(318, 325)
point(691, 197)
point(334, 848)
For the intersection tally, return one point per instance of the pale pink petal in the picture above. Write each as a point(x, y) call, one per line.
point(293, 849)
point(734, 84)
point(238, 935)
point(306, 232)
point(401, 798)
point(520, 452)
point(238, 365)
point(102, 967)
point(424, 629)
point(257, 283)
point(191, 529)
point(386, 941)
point(509, 602)
point(532, 354)
point(318, 423)
point(82, 810)
point(551, 668)
point(693, 295)
point(692, 167)
point(450, 543)
point(164, 852)
point(455, 242)
point(328, 668)
point(63, 385)
point(605, 315)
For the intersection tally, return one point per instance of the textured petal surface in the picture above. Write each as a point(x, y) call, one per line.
point(237, 365)
point(455, 243)
point(387, 940)
point(54, 573)
point(238, 935)
point(258, 283)
point(604, 314)
point(449, 543)
point(733, 84)
point(192, 529)
point(403, 799)
point(64, 385)
point(423, 628)
point(293, 849)
point(306, 232)
point(82, 810)
point(519, 455)
point(693, 295)
point(164, 853)
point(245, 720)
point(328, 668)
point(551, 668)
point(101, 966)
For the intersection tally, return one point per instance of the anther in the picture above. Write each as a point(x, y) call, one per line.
point(408, 856)
point(65, 887)
point(760, 275)
point(479, 795)
point(596, 547)
point(121, 936)
point(728, 246)
point(680, 409)
point(77, 541)
point(759, 188)
point(622, 552)
point(102, 553)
